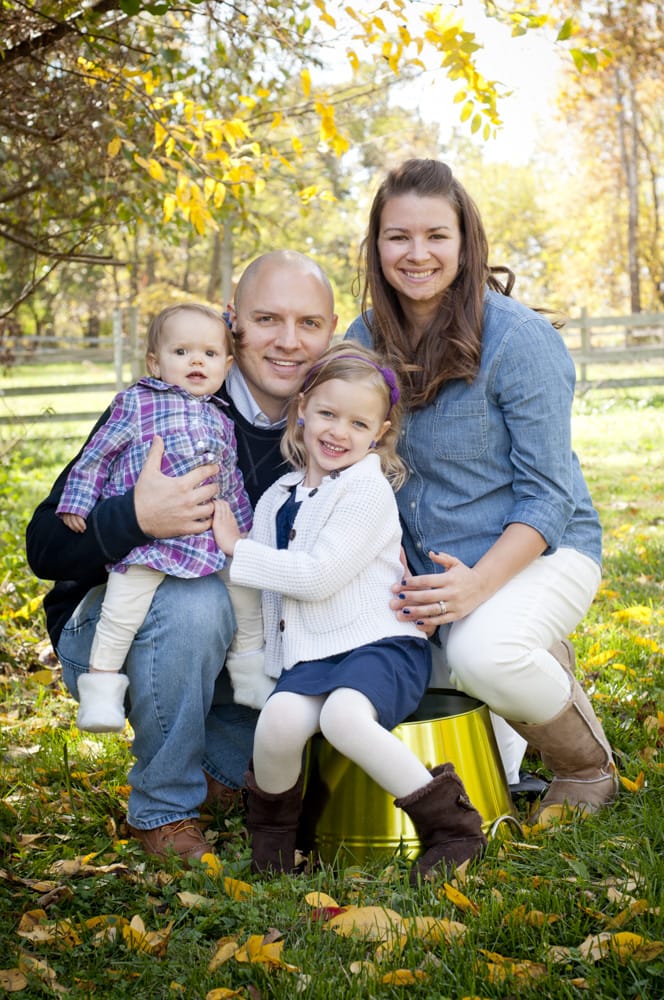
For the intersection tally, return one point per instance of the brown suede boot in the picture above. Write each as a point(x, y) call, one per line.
point(448, 825)
point(574, 747)
point(272, 821)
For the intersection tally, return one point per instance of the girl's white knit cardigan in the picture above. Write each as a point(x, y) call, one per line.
point(329, 591)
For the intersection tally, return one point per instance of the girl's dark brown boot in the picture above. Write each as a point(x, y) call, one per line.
point(447, 823)
point(272, 821)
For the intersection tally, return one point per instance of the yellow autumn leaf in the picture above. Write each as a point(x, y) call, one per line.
point(256, 951)
point(403, 977)
point(633, 786)
point(623, 945)
point(375, 923)
point(40, 677)
point(599, 659)
point(459, 899)
point(635, 908)
point(156, 171)
point(12, 980)
point(434, 929)
point(236, 889)
point(194, 901)
point(362, 968)
point(221, 992)
point(225, 948)
point(114, 147)
point(320, 901)
point(305, 80)
point(498, 972)
point(137, 938)
point(641, 614)
point(28, 609)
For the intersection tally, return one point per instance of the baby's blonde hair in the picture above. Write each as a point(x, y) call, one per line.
point(351, 362)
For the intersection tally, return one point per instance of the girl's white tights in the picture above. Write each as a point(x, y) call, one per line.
point(347, 720)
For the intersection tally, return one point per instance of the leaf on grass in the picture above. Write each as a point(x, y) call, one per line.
point(42, 970)
point(433, 930)
point(459, 899)
point(236, 889)
point(212, 863)
point(224, 949)
point(12, 980)
point(35, 926)
point(403, 977)
point(375, 923)
point(641, 614)
point(79, 866)
point(500, 968)
point(137, 938)
point(257, 951)
point(221, 992)
point(362, 968)
point(534, 918)
point(624, 946)
point(635, 908)
point(633, 786)
point(321, 900)
point(194, 901)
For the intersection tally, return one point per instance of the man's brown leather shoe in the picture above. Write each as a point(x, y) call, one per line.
point(222, 798)
point(183, 838)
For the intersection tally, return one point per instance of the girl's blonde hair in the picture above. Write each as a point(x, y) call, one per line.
point(351, 362)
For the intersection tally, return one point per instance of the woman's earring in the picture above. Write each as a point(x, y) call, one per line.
point(300, 422)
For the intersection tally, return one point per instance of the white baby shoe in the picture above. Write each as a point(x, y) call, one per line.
point(101, 702)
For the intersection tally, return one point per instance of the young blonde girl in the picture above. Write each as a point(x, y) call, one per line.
point(325, 550)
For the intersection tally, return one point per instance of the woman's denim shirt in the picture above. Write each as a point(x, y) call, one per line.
point(496, 451)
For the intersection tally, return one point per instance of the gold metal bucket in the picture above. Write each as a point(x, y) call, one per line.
point(347, 813)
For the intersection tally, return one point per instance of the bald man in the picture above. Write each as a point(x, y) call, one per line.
point(191, 743)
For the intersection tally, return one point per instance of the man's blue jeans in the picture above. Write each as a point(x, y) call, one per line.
point(180, 700)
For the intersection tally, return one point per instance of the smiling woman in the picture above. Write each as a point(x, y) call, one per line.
point(499, 529)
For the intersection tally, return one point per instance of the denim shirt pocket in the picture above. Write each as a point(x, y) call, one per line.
point(460, 429)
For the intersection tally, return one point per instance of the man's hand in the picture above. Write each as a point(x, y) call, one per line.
point(168, 506)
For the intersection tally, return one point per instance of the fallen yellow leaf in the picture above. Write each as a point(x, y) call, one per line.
point(320, 900)
point(459, 899)
point(633, 786)
point(236, 889)
point(376, 923)
point(225, 949)
point(434, 929)
point(137, 938)
point(221, 992)
point(12, 980)
point(403, 977)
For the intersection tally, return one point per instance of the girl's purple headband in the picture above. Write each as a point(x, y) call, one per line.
point(387, 373)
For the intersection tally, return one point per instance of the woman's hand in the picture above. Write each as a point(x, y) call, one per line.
point(224, 527)
point(438, 598)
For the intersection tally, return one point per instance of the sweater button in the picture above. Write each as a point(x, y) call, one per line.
point(282, 625)
point(291, 534)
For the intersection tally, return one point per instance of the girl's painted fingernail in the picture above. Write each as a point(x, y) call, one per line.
point(419, 621)
point(403, 583)
point(406, 611)
point(402, 597)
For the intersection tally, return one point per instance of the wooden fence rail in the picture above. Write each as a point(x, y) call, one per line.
point(593, 341)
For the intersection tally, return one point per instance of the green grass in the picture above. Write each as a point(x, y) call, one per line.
point(64, 799)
